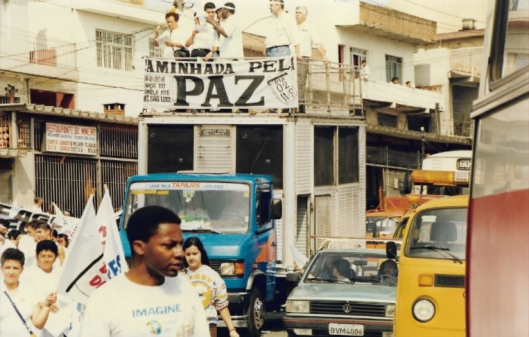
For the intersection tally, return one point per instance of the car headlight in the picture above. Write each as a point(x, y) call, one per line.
point(390, 310)
point(423, 310)
point(297, 306)
point(231, 268)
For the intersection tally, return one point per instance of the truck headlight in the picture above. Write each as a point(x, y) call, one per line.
point(423, 310)
point(390, 310)
point(297, 306)
point(231, 268)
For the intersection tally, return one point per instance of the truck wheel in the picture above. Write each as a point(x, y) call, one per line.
point(256, 314)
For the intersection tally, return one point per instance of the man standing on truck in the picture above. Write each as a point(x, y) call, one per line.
point(154, 298)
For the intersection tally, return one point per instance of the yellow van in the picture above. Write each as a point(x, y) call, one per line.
point(431, 291)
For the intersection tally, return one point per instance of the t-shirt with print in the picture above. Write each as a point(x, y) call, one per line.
point(211, 290)
point(122, 308)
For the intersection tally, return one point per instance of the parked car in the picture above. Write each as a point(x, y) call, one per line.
point(381, 224)
point(348, 292)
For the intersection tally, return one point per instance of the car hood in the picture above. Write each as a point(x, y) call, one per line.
point(343, 292)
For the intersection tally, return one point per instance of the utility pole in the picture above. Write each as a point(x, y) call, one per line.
point(422, 144)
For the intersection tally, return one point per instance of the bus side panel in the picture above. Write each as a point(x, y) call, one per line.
point(498, 269)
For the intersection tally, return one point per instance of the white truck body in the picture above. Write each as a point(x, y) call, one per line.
point(331, 210)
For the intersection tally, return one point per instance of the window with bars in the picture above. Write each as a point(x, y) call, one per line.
point(393, 67)
point(153, 50)
point(114, 50)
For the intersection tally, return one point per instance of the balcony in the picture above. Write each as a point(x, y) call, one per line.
point(338, 86)
point(40, 56)
point(465, 65)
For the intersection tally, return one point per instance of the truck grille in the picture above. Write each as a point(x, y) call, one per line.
point(450, 281)
point(214, 264)
point(353, 308)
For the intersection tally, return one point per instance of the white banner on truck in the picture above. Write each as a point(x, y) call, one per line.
point(268, 83)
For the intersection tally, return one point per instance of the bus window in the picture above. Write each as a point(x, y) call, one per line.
point(511, 38)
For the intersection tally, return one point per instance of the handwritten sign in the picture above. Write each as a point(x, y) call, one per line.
point(71, 139)
point(259, 83)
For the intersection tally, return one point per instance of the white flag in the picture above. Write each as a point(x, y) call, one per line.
point(113, 250)
point(84, 267)
point(299, 258)
point(57, 210)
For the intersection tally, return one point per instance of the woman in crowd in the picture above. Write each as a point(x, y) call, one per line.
point(19, 316)
point(208, 283)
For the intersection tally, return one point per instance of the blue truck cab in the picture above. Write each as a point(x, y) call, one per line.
point(233, 215)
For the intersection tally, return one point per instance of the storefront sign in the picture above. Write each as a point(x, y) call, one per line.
point(71, 139)
point(258, 83)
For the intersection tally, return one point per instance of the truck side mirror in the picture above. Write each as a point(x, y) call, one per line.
point(391, 250)
point(293, 278)
point(405, 184)
point(277, 209)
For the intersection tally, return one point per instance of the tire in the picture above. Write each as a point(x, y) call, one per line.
point(256, 315)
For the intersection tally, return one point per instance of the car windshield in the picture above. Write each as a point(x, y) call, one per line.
point(438, 234)
point(384, 224)
point(356, 267)
point(202, 206)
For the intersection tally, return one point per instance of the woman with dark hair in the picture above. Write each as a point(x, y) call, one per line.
point(209, 285)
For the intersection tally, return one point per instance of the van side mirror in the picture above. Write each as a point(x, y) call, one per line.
point(277, 209)
point(391, 250)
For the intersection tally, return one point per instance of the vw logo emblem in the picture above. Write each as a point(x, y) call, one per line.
point(347, 308)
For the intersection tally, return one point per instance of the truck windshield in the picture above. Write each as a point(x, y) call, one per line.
point(202, 206)
point(438, 234)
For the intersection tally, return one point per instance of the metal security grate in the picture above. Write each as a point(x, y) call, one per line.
point(118, 141)
point(214, 264)
point(66, 181)
point(449, 281)
point(356, 308)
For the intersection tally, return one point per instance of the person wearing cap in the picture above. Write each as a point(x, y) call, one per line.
point(280, 35)
point(230, 32)
point(307, 39)
point(202, 39)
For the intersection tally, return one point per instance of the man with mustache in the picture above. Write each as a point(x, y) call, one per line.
point(152, 297)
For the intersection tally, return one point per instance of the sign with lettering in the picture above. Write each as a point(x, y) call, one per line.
point(71, 139)
point(268, 83)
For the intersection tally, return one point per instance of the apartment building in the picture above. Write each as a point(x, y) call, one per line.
point(88, 55)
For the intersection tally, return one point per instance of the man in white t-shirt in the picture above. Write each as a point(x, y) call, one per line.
point(280, 35)
point(203, 38)
point(307, 39)
point(230, 32)
point(154, 298)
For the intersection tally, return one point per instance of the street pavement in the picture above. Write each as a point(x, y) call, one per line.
point(274, 325)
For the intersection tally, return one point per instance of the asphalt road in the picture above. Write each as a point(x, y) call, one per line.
point(274, 325)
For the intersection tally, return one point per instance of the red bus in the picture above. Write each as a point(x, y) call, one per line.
point(497, 284)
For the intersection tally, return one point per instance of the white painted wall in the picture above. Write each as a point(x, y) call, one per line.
point(447, 13)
